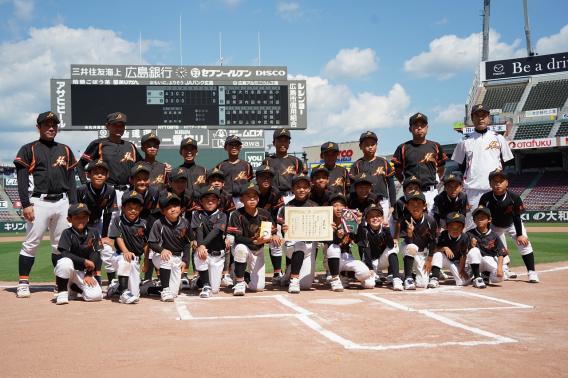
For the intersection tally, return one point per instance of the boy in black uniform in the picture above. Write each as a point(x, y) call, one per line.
point(320, 192)
point(209, 225)
point(195, 173)
point(451, 200)
point(130, 234)
point(285, 166)
point(419, 231)
point(378, 170)
point(237, 172)
point(216, 177)
point(158, 171)
point(100, 198)
point(487, 252)
point(338, 176)
point(507, 207)
point(270, 199)
point(245, 226)
point(360, 199)
point(451, 251)
point(80, 247)
point(170, 241)
point(140, 181)
point(411, 184)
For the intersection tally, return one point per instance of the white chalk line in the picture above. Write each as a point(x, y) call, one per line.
point(514, 304)
point(543, 271)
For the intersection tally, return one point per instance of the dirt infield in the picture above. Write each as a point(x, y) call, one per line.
point(515, 328)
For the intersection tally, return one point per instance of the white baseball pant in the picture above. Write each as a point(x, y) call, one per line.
point(486, 264)
point(419, 260)
point(383, 261)
point(430, 196)
point(255, 262)
point(348, 263)
point(307, 272)
point(130, 269)
point(237, 202)
point(215, 265)
point(48, 214)
point(107, 252)
point(442, 261)
point(287, 196)
point(66, 270)
point(473, 197)
point(513, 234)
point(174, 265)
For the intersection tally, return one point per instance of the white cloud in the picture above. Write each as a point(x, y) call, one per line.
point(352, 64)
point(447, 116)
point(554, 44)
point(442, 21)
point(288, 7)
point(451, 55)
point(24, 9)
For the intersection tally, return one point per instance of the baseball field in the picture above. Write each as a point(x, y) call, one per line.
point(514, 328)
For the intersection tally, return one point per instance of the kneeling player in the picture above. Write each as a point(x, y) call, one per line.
point(80, 248)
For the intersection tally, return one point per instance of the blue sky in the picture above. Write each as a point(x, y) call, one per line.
point(369, 64)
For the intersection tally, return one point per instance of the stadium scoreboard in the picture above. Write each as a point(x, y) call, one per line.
point(180, 97)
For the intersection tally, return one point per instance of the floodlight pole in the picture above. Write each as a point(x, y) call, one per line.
point(530, 50)
point(485, 54)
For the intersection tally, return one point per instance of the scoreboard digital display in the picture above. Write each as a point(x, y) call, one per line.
point(180, 97)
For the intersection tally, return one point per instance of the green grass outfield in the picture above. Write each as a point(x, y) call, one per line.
point(549, 247)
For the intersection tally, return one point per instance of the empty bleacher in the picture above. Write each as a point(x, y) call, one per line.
point(547, 191)
point(504, 97)
point(13, 194)
point(533, 130)
point(518, 183)
point(6, 216)
point(562, 130)
point(547, 95)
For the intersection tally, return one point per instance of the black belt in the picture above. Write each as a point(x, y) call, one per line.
point(121, 187)
point(176, 253)
point(427, 188)
point(48, 197)
point(216, 253)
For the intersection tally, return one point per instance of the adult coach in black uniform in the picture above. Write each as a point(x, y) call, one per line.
point(118, 154)
point(421, 158)
point(50, 165)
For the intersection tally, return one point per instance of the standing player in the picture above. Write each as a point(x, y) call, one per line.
point(158, 171)
point(451, 200)
point(195, 173)
point(479, 153)
point(118, 154)
point(237, 172)
point(50, 166)
point(338, 176)
point(421, 158)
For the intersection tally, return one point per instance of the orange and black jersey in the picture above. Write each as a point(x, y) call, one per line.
point(51, 166)
point(354, 203)
point(320, 199)
point(173, 236)
point(226, 204)
point(99, 202)
point(424, 234)
point(272, 201)
point(188, 205)
point(195, 177)
point(285, 169)
point(246, 227)
point(459, 246)
point(209, 229)
point(80, 247)
point(159, 179)
point(504, 208)
point(443, 205)
point(378, 240)
point(134, 234)
point(338, 180)
point(150, 201)
point(379, 171)
point(236, 174)
point(346, 241)
point(400, 209)
point(120, 158)
point(420, 160)
point(489, 243)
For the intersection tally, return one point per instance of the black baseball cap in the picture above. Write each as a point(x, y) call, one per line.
point(188, 141)
point(167, 197)
point(299, 177)
point(76, 208)
point(362, 177)
point(280, 133)
point(337, 196)
point(249, 186)
point(498, 172)
point(416, 117)
point(319, 168)
point(265, 169)
point(116, 117)
point(455, 217)
point(132, 195)
point(233, 138)
point(329, 146)
point(139, 168)
point(479, 107)
point(372, 207)
point(210, 190)
point(368, 134)
point(410, 180)
point(453, 178)
point(482, 209)
point(178, 173)
point(46, 116)
point(97, 163)
point(416, 194)
point(215, 172)
point(150, 136)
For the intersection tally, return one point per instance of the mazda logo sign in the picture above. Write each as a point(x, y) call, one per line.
point(498, 68)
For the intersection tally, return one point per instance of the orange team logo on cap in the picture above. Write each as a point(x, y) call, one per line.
point(134, 193)
point(283, 131)
point(451, 176)
point(59, 162)
point(152, 136)
point(251, 185)
point(373, 205)
point(363, 175)
point(330, 145)
point(180, 171)
point(235, 137)
point(493, 146)
point(416, 193)
point(189, 140)
point(419, 115)
point(211, 188)
point(100, 161)
point(321, 166)
point(119, 116)
point(497, 170)
point(456, 216)
point(215, 170)
point(266, 168)
point(169, 195)
point(127, 157)
point(80, 206)
point(139, 166)
point(50, 114)
point(368, 133)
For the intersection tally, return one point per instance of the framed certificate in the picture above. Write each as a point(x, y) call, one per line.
point(308, 223)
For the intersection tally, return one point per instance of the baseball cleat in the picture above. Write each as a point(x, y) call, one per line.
point(276, 279)
point(508, 272)
point(112, 288)
point(193, 283)
point(73, 295)
point(239, 288)
point(443, 276)
point(336, 284)
point(397, 284)
point(127, 298)
point(206, 292)
point(380, 276)
point(478, 283)
point(533, 277)
point(166, 295)
point(409, 284)
point(145, 285)
point(62, 298)
point(226, 281)
point(345, 282)
point(390, 279)
point(23, 291)
point(328, 277)
point(433, 283)
point(185, 283)
point(294, 287)
point(285, 279)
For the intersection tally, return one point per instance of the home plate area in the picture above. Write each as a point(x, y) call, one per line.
point(366, 320)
